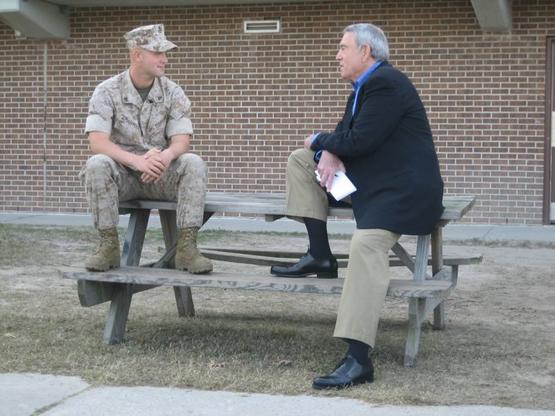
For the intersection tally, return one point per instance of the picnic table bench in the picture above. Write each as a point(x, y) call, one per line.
point(425, 292)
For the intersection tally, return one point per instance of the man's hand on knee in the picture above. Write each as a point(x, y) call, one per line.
point(151, 166)
point(146, 178)
point(328, 165)
point(159, 158)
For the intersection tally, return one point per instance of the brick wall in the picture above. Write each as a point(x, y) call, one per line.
point(255, 97)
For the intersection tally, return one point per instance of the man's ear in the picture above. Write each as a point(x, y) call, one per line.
point(367, 51)
point(135, 54)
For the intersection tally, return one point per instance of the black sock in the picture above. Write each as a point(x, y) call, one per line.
point(359, 350)
point(318, 238)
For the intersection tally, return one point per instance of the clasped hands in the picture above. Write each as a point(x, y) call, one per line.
point(328, 165)
point(153, 164)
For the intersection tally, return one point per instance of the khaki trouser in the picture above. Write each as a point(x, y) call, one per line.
point(108, 182)
point(367, 277)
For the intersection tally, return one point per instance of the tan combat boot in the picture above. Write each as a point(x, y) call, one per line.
point(187, 256)
point(107, 253)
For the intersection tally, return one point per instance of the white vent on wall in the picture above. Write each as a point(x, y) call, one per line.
point(261, 26)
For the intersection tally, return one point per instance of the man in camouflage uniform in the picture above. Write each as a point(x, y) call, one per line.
point(139, 130)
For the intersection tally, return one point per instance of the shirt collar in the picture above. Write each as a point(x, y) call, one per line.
point(364, 77)
point(130, 94)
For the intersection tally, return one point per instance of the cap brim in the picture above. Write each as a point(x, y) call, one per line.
point(167, 46)
point(164, 47)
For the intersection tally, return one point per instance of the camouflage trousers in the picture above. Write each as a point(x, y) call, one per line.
point(108, 182)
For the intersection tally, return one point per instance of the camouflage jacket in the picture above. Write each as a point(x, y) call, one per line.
point(116, 108)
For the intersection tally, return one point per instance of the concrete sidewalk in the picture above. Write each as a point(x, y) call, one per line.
point(544, 234)
point(46, 395)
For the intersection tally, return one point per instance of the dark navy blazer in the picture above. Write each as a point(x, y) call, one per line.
point(389, 154)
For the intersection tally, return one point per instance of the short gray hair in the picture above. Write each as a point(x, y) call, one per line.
point(371, 35)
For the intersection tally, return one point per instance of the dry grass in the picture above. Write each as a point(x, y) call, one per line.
point(498, 347)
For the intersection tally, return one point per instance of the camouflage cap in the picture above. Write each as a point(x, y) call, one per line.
point(151, 38)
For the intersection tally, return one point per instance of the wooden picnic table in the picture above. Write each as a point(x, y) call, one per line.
point(426, 292)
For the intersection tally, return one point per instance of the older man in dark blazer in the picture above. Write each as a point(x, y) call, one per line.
point(384, 144)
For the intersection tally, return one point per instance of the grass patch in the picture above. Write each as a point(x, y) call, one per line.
point(263, 341)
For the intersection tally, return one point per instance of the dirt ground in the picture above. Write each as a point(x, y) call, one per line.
point(498, 347)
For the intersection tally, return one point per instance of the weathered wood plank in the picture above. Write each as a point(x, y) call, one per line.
point(296, 255)
point(403, 255)
point(166, 277)
point(407, 289)
point(123, 293)
point(183, 295)
point(163, 277)
point(432, 304)
point(184, 301)
point(168, 221)
point(118, 313)
point(134, 238)
point(291, 257)
point(284, 259)
point(437, 265)
point(457, 206)
point(94, 293)
point(273, 205)
point(417, 310)
point(420, 262)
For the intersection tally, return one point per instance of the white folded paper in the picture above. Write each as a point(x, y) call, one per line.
point(341, 185)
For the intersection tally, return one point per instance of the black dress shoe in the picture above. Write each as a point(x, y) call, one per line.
point(308, 265)
point(348, 373)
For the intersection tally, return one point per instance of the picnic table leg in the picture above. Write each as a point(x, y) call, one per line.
point(437, 266)
point(417, 306)
point(135, 237)
point(117, 316)
point(122, 293)
point(183, 295)
point(421, 260)
point(184, 301)
point(439, 317)
point(417, 311)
